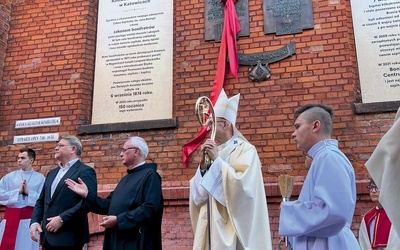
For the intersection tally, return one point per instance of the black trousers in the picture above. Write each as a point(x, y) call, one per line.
point(47, 247)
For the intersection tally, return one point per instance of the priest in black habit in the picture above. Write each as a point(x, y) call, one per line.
point(134, 209)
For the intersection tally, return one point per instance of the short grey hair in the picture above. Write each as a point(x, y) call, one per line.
point(73, 141)
point(141, 144)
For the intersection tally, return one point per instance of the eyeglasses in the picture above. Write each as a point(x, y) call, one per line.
point(372, 188)
point(62, 145)
point(126, 149)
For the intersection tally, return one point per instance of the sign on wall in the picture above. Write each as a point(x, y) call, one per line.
point(32, 123)
point(35, 138)
point(52, 121)
point(133, 71)
point(377, 34)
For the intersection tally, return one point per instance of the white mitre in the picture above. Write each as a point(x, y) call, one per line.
point(227, 108)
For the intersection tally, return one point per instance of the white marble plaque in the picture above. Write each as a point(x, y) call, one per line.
point(35, 138)
point(377, 34)
point(133, 71)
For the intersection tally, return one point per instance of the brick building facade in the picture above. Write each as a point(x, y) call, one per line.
point(47, 55)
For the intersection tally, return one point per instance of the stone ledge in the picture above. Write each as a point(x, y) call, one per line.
point(376, 107)
point(127, 126)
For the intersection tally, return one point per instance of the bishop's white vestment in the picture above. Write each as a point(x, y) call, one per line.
point(238, 205)
point(384, 167)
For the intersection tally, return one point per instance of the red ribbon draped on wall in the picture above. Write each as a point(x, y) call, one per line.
point(228, 47)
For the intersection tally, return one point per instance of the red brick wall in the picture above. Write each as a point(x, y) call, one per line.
point(5, 15)
point(48, 72)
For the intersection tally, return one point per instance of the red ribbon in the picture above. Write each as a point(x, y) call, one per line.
point(228, 46)
point(12, 217)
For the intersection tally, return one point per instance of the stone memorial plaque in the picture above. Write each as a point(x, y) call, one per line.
point(133, 71)
point(287, 16)
point(377, 35)
point(214, 19)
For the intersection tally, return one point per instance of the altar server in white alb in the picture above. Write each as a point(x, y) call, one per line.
point(321, 217)
point(384, 167)
point(238, 206)
point(19, 191)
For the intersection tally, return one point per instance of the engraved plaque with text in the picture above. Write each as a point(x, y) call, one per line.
point(287, 16)
point(377, 35)
point(133, 79)
point(214, 18)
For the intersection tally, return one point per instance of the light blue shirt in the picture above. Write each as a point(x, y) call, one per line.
point(61, 172)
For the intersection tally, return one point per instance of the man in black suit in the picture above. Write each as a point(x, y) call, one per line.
point(59, 215)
